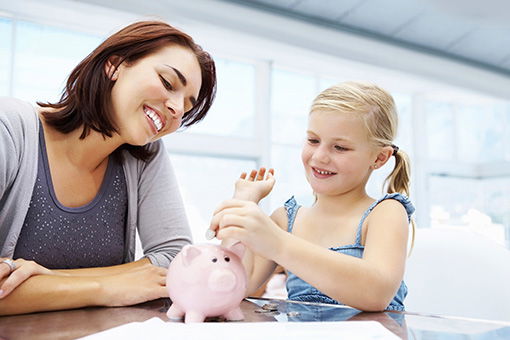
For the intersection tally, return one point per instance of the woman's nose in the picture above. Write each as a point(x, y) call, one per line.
point(176, 107)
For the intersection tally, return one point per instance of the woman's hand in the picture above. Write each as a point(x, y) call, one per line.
point(137, 285)
point(22, 271)
point(245, 221)
point(254, 187)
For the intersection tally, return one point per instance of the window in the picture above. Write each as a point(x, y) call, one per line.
point(469, 187)
point(440, 131)
point(291, 97)
point(477, 204)
point(5, 55)
point(233, 112)
point(43, 58)
point(204, 183)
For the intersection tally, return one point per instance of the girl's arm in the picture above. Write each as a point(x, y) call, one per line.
point(121, 285)
point(368, 283)
point(253, 187)
point(259, 268)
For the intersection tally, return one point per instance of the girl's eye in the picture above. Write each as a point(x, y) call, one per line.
point(312, 141)
point(166, 84)
point(340, 148)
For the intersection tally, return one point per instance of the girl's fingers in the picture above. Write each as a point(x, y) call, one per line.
point(243, 175)
point(231, 232)
point(253, 175)
point(232, 203)
point(216, 221)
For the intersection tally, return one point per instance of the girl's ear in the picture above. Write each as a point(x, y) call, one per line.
point(382, 157)
point(111, 67)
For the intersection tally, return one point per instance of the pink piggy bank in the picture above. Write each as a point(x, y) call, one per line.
point(207, 280)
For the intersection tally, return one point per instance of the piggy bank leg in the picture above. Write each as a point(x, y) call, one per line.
point(192, 316)
point(175, 312)
point(235, 314)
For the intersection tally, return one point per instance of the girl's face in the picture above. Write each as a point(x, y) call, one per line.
point(337, 154)
point(150, 96)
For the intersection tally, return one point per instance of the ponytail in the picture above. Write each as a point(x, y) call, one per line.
point(399, 181)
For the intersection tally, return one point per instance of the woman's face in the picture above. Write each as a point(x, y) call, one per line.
point(150, 96)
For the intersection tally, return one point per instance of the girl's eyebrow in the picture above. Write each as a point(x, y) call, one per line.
point(335, 139)
point(183, 80)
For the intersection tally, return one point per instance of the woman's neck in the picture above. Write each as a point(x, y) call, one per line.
point(88, 153)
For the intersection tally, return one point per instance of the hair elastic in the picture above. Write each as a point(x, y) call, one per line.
point(395, 149)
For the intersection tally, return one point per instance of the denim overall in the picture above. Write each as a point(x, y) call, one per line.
point(299, 290)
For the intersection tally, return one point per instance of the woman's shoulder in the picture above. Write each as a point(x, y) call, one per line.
point(9, 105)
point(17, 113)
point(18, 119)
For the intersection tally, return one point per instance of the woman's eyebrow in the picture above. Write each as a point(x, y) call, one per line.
point(181, 77)
point(183, 80)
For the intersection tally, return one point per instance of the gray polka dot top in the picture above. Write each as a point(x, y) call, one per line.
point(60, 237)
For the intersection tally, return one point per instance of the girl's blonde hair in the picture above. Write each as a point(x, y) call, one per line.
point(377, 109)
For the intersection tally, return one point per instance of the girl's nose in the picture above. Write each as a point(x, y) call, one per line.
point(321, 155)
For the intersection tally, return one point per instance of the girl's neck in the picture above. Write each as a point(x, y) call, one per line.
point(342, 204)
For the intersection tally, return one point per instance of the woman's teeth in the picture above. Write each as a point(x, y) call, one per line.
point(155, 118)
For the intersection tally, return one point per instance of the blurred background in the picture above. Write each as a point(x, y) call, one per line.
point(447, 64)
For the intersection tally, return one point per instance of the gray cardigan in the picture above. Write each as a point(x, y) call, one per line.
point(155, 206)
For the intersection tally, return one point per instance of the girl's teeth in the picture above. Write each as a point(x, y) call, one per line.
point(324, 172)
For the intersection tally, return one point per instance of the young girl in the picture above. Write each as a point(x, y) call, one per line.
point(347, 247)
point(79, 177)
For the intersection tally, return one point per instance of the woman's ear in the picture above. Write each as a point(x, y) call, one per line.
point(383, 156)
point(111, 67)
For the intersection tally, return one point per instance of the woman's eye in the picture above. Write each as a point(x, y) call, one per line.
point(166, 83)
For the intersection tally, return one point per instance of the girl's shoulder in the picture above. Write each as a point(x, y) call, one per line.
point(394, 203)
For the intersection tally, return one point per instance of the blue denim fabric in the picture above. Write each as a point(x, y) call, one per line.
point(300, 290)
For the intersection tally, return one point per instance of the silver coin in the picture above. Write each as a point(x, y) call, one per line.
point(210, 234)
point(270, 306)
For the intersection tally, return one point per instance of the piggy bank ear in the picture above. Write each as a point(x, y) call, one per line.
point(238, 249)
point(189, 252)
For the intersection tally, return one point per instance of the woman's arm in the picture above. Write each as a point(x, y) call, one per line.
point(121, 285)
point(160, 214)
point(368, 284)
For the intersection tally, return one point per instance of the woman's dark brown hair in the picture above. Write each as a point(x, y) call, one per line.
point(86, 99)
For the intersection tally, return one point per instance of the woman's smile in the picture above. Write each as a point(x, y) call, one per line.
point(156, 121)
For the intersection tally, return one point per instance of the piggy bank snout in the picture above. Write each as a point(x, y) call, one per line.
point(222, 280)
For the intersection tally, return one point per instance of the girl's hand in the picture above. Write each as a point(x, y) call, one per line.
point(245, 221)
point(255, 186)
point(137, 285)
point(23, 270)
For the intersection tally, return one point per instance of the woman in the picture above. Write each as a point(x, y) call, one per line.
point(79, 176)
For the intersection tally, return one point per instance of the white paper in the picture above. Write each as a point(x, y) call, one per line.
point(158, 329)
